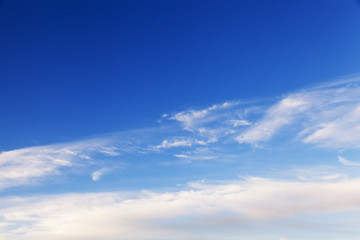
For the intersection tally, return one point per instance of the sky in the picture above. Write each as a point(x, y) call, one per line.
point(144, 120)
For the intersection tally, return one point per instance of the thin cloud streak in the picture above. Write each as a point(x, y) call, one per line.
point(276, 117)
point(179, 142)
point(347, 162)
point(99, 173)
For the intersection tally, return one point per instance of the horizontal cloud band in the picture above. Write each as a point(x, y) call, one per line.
point(110, 215)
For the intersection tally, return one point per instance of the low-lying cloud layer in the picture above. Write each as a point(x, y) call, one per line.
point(177, 215)
point(325, 118)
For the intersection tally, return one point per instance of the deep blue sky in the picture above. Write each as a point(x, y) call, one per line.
point(72, 69)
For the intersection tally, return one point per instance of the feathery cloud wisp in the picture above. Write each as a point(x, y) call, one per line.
point(98, 174)
point(347, 162)
point(27, 165)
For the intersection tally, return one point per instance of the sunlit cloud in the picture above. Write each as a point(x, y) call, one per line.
point(98, 174)
point(165, 215)
point(325, 116)
point(279, 115)
point(179, 142)
point(192, 118)
point(30, 165)
point(347, 162)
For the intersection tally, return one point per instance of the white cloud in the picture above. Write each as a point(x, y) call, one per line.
point(319, 173)
point(191, 119)
point(195, 157)
point(110, 151)
point(237, 122)
point(326, 116)
point(347, 162)
point(199, 153)
point(179, 142)
point(97, 174)
point(28, 165)
point(338, 132)
point(281, 114)
point(215, 122)
point(24, 165)
point(203, 212)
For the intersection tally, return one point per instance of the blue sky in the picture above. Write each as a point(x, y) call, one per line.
point(179, 120)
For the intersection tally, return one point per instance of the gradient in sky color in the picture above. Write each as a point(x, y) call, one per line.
point(179, 120)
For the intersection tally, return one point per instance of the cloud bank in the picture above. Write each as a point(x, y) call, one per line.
point(182, 214)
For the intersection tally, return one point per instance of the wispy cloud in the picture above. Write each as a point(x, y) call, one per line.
point(192, 118)
point(238, 122)
point(326, 116)
point(28, 165)
point(337, 132)
point(97, 174)
point(276, 117)
point(179, 142)
point(347, 162)
point(199, 153)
